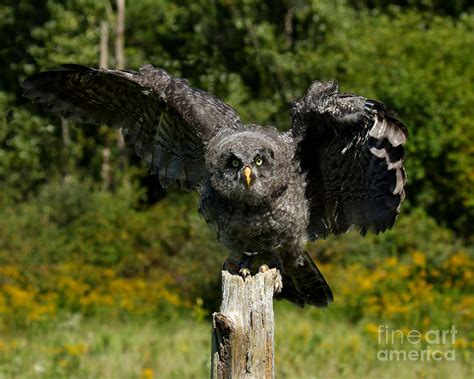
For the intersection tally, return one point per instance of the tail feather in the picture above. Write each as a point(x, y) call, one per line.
point(304, 284)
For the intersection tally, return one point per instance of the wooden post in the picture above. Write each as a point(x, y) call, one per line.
point(243, 330)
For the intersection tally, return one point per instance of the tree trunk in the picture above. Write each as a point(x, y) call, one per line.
point(243, 330)
point(119, 35)
point(66, 148)
point(104, 45)
point(120, 58)
point(105, 171)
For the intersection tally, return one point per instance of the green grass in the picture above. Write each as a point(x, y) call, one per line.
point(115, 349)
point(310, 343)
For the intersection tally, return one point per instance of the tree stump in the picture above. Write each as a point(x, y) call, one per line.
point(243, 330)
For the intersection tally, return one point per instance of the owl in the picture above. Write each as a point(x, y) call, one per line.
point(266, 192)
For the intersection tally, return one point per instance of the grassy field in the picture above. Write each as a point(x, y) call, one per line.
point(82, 321)
point(310, 343)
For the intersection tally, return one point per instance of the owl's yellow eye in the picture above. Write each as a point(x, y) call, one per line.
point(258, 161)
point(235, 163)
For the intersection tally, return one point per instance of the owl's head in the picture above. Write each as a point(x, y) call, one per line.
point(250, 165)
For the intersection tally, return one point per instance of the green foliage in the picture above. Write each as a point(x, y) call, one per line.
point(70, 221)
point(412, 232)
point(71, 24)
point(17, 19)
point(29, 150)
point(259, 56)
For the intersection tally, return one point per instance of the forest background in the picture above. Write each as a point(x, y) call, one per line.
point(103, 274)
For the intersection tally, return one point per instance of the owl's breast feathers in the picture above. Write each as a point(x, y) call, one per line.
point(278, 224)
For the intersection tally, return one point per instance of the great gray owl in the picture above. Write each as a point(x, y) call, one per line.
point(266, 192)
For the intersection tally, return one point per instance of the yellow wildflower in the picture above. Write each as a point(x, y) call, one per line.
point(63, 363)
point(18, 296)
point(372, 328)
point(403, 270)
point(426, 322)
point(41, 311)
point(461, 343)
point(391, 262)
point(418, 258)
point(11, 272)
point(366, 284)
point(459, 259)
point(77, 349)
point(147, 373)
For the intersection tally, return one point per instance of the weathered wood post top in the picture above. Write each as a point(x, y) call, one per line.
point(243, 329)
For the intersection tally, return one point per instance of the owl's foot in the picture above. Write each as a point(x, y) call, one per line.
point(278, 285)
point(263, 268)
point(244, 272)
point(238, 266)
point(244, 265)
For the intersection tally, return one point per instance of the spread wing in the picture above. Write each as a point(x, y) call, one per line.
point(351, 150)
point(164, 118)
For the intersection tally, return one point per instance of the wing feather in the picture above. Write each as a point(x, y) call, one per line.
point(351, 150)
point(166, 120)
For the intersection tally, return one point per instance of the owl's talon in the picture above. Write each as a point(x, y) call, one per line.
point(244, 272)
point(278, 285)
point(263, 268)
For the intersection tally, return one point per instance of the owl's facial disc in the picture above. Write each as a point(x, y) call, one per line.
point(248, 166)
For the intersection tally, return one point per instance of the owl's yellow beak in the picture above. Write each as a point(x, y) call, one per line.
point(247, 174)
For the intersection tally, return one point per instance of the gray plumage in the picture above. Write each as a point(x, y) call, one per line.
point(266, 192)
